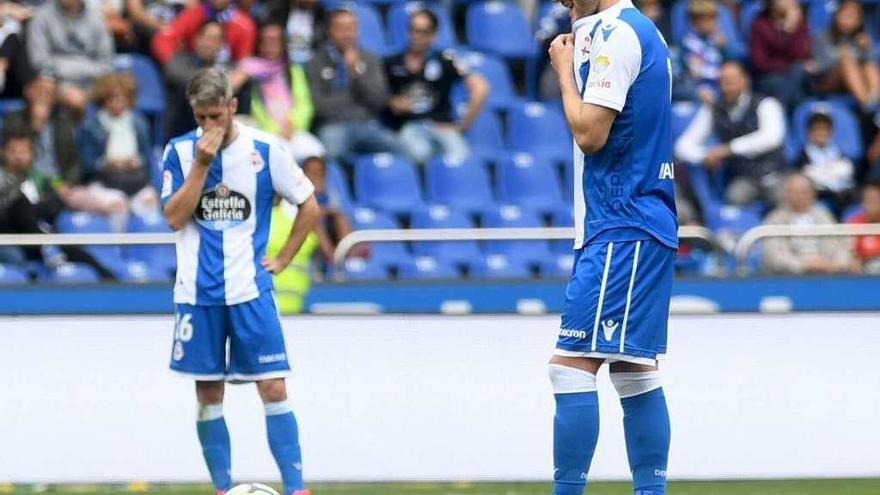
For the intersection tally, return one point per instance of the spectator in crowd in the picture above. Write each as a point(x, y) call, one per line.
point(118, 24)
point(29, 203)
point(751, 129)
point(240, 31)
point(554, 21)
point(179, 70)
point(114, 144)
point(68, 41)
point(656, 11)
point(349, 91)
point(821, 160)
point(55, 152)
point(15, 69)
point(797, 255)
point(846, 57)
point(703, 49)
point(867, 248)
point(873, 154)
point(421, 81)
point(779, 44)
point(280, 98)
point(148, 17)
point(304, 24)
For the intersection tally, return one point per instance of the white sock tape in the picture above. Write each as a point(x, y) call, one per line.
point(632, 384)
point(210, 412)
point(276, 408)
point(568, 380)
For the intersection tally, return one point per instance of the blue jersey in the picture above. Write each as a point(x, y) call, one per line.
point(621, 62)
point(219, 251)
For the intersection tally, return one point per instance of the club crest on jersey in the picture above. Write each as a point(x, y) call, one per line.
point(585, 50)
point(257, 161)
point(222, 208)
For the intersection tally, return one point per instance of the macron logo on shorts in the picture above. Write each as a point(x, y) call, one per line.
point(576, 334)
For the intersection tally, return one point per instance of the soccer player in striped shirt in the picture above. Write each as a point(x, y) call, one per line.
point(615, 78)
point(219, 182)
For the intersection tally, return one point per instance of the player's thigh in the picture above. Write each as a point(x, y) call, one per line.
point(199, 343)
point(257, 348)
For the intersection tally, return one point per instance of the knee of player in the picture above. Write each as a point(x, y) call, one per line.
point(274, 390)
point(568, 380)
point(630, 384)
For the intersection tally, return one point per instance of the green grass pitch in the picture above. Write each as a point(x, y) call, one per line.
point(786, 487)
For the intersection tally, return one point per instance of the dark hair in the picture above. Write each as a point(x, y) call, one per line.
point(314, 158)
point(817, 118)
point(871, 184)
point(430, 15)
point(836, 35)
point(17, 130)
point(341, 10)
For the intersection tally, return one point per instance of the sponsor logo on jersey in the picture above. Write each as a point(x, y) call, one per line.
point(222, 208)
point(601, 83)
point(576, 334)
point(607, 30)
point(602, 64)
point(667, 171)
point(609, 326)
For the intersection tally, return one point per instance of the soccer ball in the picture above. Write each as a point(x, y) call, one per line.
point(256, 488)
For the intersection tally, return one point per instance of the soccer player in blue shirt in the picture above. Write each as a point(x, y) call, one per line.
point(615, 77)
point(219, 182)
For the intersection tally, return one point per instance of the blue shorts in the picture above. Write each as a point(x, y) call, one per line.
point(617, 301)
point(252, 331)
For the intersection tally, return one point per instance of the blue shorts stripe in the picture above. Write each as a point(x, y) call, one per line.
point(629, 291)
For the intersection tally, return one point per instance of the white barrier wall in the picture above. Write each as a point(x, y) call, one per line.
point(432, 397)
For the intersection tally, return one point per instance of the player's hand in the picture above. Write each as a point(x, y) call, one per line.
point(716, 156)
point(209, 145)
point(562, 53)
point(274, 265)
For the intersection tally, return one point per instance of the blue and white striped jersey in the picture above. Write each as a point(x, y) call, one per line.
point(622, 62)
point(219, 251)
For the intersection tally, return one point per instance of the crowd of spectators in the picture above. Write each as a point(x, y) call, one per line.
point(301, 72)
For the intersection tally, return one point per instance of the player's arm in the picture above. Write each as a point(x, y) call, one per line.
point(292, 184)
point(180, 202)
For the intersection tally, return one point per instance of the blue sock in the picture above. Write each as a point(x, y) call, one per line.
point(284, 444)
point(646, 427)
point(575, 433)
point(214, 438)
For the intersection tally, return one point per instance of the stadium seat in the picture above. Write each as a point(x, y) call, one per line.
point(680, 24)
point(539, 129)
point(338, 193)
point(562, 217)
point(559, 266)
point(371, 30)
point(12, 275)
point(427, 268)
point(820, 13)
point(160, 259)
point(151, 89)
point(385, 254)
point(463, 185)
point(500, 27)
point(398, 25)
point(453, 252)
point(529, 181)
point(110, 257)
point(847, 134)
point(499, 266)
point(502, 94)
point(748, 12)
point(10, 105)
point(387, 182)
point(486, 138)
point(363, 269)
point(72, 273)
point(509, 216)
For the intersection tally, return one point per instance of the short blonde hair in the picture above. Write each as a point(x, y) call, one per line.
point(106, 85)
point(702, 7)
point(207, 87)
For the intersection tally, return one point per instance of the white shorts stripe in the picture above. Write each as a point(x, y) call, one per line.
point(602, 294)
point(629, 294)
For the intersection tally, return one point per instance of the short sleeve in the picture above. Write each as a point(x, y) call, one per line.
point(614, 65)
point(457, 65)
point(289, 181)
point(172, 173)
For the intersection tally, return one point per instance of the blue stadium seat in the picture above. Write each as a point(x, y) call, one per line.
point(160, 259)
point(398, 25)
point(529, 181)
point(847, 134)
point(748, 12)
point(680, 24)
point(486, 138)
point(500, 27)
point(820, 14)
point(387, 182)
point(371, 30)
point(539, 129)
point(453, 252)
point(499, 266)
point(151, 89)
point(497, 73)
point(8, 106)
point(385, 254)
point(427, 268)
point(463, 185)
point(140, 272)
point(72, 273)
point(562, 217)
point(338, 193)
point(683, 113)
point(362, 269)
point(12, 275)
point(509, 216)
point(110, 257)
point(559, 266)
point(851, 211)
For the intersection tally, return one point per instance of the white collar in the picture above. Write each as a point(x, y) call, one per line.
point(611, 12)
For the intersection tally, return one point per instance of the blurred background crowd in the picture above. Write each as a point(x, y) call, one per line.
point(432, 114)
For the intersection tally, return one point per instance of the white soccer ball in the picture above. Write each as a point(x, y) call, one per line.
point(255, 488)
